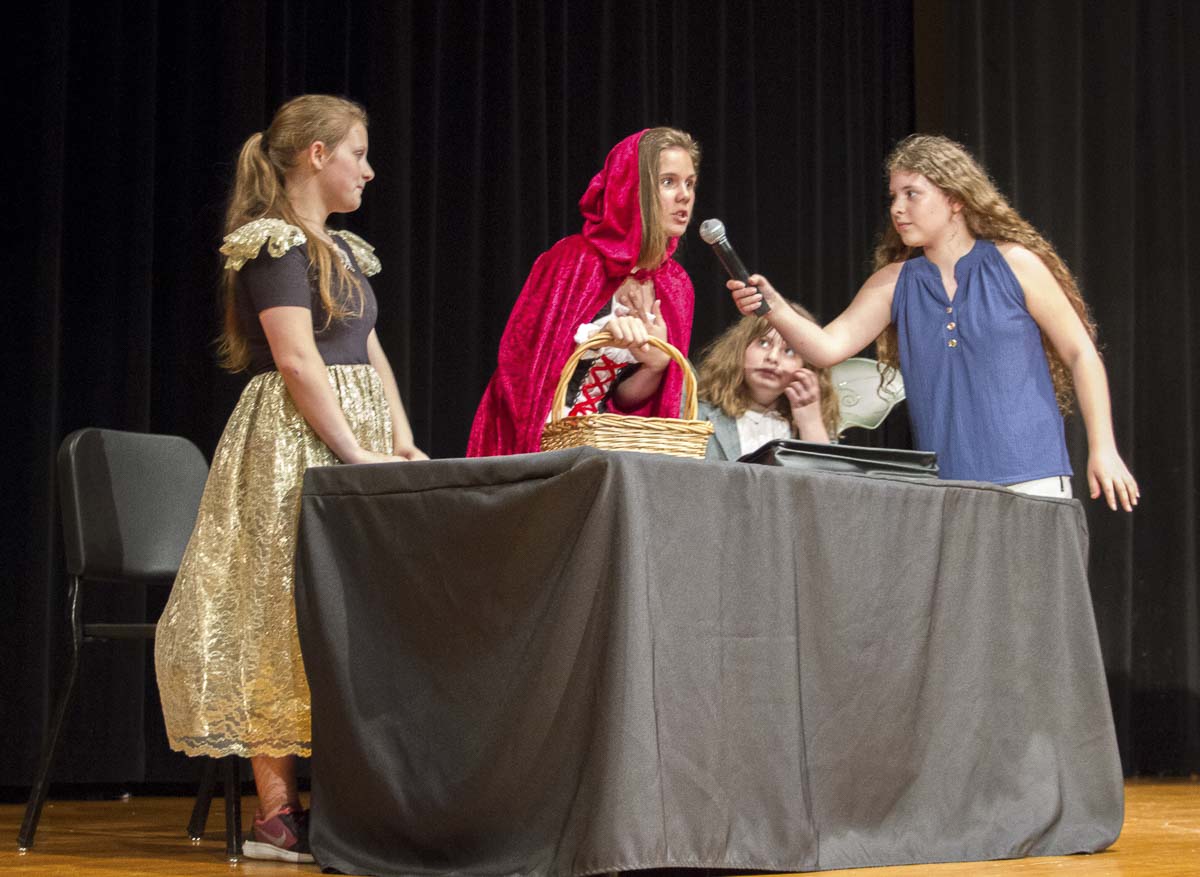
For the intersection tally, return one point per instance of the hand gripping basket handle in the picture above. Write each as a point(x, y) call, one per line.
point(602, 339)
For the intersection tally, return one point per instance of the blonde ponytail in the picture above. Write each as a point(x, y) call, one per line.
point(259, 191)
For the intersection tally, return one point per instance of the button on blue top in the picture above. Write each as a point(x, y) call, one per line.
point(975, 372)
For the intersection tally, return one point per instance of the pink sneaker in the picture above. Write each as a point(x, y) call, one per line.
point(282, 838)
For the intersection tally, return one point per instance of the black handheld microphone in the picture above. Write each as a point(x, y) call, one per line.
point(712, 232)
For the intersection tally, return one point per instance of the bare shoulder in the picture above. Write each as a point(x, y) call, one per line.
point(867, 315)
point(1024, 262)
point(1038, 283)
point(889, 272)
point(872, 305)
point(883, 281)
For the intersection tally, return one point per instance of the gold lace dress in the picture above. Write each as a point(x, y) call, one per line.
point(227, 654)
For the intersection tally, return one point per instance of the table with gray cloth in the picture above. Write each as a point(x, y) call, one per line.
point(580, 661)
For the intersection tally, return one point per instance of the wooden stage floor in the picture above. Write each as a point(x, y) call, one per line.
point(145, 836)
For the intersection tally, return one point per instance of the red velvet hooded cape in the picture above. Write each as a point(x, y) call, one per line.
point(567, 285)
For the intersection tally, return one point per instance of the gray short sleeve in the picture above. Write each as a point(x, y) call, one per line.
point(282, 282)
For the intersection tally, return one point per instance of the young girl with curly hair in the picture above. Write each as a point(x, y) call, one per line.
point(755, 387)
point(985, 323)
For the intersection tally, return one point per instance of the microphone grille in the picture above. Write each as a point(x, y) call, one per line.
point(712, 230)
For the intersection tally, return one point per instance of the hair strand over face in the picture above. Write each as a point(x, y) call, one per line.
point(650, 147)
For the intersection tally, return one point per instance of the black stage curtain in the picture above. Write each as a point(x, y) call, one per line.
point(488, 120)
point(1083, 110)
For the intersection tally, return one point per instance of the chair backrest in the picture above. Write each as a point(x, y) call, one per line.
point(129, 502)
point(861, 399)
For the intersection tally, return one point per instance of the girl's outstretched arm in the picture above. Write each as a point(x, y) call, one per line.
point(1050, 309)
point(855, 328)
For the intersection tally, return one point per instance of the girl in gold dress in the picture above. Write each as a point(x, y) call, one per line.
point(299, 316)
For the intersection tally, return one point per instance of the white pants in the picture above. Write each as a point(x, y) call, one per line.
point(1058, 486)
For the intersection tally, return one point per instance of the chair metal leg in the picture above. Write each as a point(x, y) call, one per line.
point(233, 808)
point(41, 784)
point(204, 797)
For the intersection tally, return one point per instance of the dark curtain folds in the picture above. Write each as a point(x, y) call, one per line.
point(488, 120)
point(1084, 112)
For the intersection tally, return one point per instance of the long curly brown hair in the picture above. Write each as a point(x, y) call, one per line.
point(722, 375)
point(988, 215)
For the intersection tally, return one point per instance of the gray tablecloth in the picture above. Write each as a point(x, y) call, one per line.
point(578, 662)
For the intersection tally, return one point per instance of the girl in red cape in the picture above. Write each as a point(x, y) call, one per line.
point(618, 274)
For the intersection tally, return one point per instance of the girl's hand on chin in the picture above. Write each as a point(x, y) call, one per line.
point(803, 390)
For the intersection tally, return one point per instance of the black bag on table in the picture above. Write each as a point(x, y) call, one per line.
point(796, 454)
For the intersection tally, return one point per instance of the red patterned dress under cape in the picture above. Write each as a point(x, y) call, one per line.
point(566, 287)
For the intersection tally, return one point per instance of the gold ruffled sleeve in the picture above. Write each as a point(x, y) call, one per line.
point(243, 244)
point(364, 253)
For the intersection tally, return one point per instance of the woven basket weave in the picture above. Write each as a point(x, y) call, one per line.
point(616, 432)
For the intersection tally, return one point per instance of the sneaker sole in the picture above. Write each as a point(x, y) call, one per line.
point(252, 849)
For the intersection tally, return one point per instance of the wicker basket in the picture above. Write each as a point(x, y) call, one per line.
point(617, 432)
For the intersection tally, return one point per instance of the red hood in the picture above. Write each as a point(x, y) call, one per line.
point(568, 285)
point(612, 211)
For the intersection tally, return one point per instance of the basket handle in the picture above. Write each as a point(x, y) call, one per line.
point(600, 339)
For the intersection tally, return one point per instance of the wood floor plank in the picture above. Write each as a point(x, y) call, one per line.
point(146, 837)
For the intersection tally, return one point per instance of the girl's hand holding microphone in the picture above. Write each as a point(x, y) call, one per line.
point(747, 297)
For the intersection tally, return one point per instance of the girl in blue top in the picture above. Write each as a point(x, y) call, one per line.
point(984, 321)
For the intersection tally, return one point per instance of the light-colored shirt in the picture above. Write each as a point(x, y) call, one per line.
point(755, 429)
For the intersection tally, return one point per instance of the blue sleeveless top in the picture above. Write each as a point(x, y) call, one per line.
point(975, 372)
